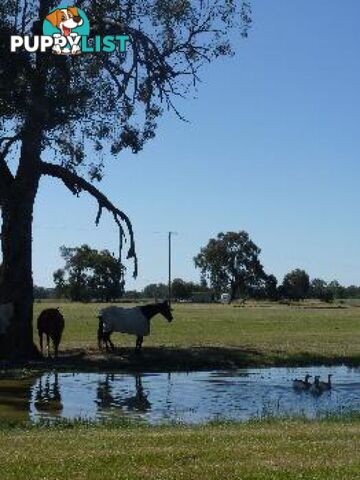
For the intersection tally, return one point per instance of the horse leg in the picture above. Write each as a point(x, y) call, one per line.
point(139, 341)
point(56, 347)
point(41, 342)
point(111, 343)
point(100, 340)
point(48, 344)
point(107, 340)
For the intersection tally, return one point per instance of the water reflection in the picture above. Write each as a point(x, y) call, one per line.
point(104, 396)
point(15, 398)
point(47, 394)
point(133, 400)
point(187, 397)
point(138, 402)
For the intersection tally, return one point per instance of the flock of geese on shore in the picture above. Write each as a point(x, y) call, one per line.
point(316, 388)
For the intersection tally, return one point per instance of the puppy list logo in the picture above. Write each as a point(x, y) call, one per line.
point(66, 31)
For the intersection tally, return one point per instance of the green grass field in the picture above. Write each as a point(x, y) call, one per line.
point(201, 336)
point(269, 450)
point(217, 335)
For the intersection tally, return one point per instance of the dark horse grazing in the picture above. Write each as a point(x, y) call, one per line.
point(51, 323)
point(134, 321)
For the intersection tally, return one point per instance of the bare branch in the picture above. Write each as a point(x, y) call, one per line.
point(10, 141)
point(76, 185)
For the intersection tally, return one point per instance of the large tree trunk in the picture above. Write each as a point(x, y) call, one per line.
point(17, 283)
point(16, 241)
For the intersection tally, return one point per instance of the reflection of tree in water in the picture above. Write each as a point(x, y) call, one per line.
point(15, 398)
point(47, 394)
point(106, 399)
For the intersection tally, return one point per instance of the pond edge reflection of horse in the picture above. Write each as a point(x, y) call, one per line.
point(107, 400)
point(48, 401)
point(40, 397)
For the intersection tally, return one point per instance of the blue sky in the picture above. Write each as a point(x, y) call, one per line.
point(272, 148)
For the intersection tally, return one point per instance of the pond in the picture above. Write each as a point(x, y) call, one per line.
point(181, 397)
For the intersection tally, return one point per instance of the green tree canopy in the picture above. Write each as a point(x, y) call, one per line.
point(230, 262)
point(181, 289)
point(89, 274)
point(337, 290)
point(319, 289)
point(296, 285)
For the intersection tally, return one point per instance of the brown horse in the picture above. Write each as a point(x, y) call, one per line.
point(51, 323)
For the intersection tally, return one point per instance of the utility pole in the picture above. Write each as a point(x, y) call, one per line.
point(170, 253)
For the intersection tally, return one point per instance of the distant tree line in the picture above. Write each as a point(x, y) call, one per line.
point(229, 263)
point(296, 285)
point(183, 290)
point(42, 293)
point(180, 289)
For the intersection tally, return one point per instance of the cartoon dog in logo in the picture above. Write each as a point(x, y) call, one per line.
point(65, 20)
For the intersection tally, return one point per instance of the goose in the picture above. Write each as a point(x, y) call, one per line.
point(326, 385)
point(316, 388)
point(302, 384)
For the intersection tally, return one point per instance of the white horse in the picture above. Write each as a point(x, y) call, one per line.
point(133, 321)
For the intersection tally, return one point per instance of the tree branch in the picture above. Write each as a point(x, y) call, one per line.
point(76, 185)
point(10, 141)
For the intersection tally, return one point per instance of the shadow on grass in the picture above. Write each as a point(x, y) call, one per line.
point(168, 359)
